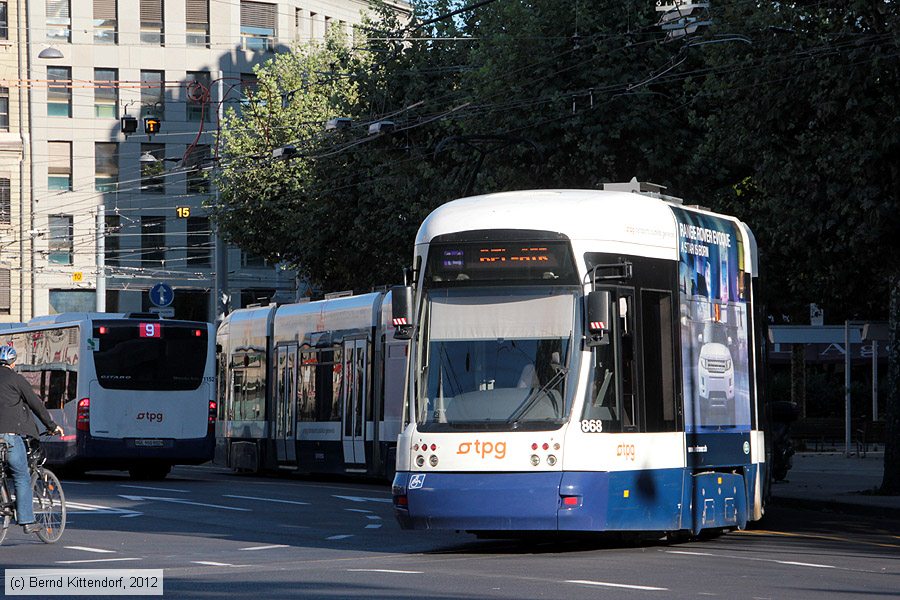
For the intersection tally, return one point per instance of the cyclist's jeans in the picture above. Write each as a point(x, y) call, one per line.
point(18, 464)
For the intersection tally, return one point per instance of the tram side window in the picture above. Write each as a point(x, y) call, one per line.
point(327, 386)
point(658, 353)
point(602, 403)
point(613, 396)
point(306, 391)
point(235, 403)
point(629, 415)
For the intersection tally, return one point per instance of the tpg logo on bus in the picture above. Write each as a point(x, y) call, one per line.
point(483, 449)
point(149, 416)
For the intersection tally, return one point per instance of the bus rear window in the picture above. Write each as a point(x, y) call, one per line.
point(132, 355)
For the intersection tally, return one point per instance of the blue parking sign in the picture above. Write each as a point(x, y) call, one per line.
point(162, 294)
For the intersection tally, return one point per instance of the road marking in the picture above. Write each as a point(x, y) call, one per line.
point(76, 508)
point(210, 563)
point(69, 482)
point(96, 560)
point(374, 526)
point(769, 560)
point(813, 536)
point(86, 549)
point(339, 537)
point(373, 517)
point(180, 501)
point(364, 499)
point(802, 564)
point(618, 585)
point(154, 489)
point(358, 510)
point(266, 547)
point(266, 499)
point(385, 571)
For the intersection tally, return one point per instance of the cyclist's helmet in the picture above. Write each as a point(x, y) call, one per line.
point(8, 355)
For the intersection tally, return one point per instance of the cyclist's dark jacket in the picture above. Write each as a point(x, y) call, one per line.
point(15, 392)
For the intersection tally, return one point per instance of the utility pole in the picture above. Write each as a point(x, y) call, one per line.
point(101, 259)
point(221, 299)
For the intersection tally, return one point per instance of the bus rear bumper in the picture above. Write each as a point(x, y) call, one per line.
point(123, 453)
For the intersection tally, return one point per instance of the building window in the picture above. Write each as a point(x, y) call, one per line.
point(60, 236)
point(4, 21)
point(197, 23)
point(5, 292)
point(106, 166)
point(59, 167)
point(112, 240)
point(199, 241)
point(4, 109)
point(106, 93)
point(106, 23)
point(59, 21)
point(197, 87)
point(152, 31)
point(59, 92)
point(257, 25)
point(153, 101)
point(5, 201)
point(194, 163)
point(153, 241)
point(65, 301)
point(153, 176)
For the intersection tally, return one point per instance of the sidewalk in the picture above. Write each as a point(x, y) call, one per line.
point(829, 480)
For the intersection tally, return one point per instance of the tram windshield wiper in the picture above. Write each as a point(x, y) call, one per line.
point(532, 398)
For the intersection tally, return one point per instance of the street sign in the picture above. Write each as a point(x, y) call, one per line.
point(162, 294)
point(167, 313)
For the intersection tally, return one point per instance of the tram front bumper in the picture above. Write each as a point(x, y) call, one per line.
point(477, 501)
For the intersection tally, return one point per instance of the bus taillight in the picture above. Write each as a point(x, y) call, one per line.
point(83, 415)
point(212, 416)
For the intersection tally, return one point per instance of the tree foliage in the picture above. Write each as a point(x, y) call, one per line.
point(782, 113)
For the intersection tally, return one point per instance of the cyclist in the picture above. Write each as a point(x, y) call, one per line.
point(16, 397)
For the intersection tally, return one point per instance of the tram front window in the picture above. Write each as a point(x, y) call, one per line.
point(495, 362)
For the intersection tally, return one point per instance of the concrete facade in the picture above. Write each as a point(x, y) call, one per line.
point(99, 215)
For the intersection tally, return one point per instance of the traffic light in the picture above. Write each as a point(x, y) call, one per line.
point(152, 125)
point(129, 124)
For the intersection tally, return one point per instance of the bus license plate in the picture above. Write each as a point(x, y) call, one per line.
point(150, 443)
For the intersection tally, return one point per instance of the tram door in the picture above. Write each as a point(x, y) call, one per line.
point(286, 391)
point(354, 414)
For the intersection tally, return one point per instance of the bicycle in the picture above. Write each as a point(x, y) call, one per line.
point(49, 499)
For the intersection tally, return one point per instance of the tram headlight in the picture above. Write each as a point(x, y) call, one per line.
point(420, 461)
point(433, 460)
point(551, 460)
point(535, 460)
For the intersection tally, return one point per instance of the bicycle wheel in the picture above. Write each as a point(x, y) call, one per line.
point(49, 505)
point(6, 510)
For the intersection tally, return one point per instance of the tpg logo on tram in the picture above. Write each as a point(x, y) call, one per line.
point(483, 448)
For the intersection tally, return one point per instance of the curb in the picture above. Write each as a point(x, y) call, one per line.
point(836, 506)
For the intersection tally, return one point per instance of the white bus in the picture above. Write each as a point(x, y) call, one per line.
point(314, 387)
point(131, 391)
point(581, 361)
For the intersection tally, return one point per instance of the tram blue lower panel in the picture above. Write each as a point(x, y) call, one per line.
point(481, 501)
point(616, 501)
point(650, 500)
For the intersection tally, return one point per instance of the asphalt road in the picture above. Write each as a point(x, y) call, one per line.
point(217, 535)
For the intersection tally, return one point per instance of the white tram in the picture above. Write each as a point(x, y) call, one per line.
point(581, 361)
point(315, 387)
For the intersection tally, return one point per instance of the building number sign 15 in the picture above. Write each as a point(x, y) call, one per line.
point(183, 212)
